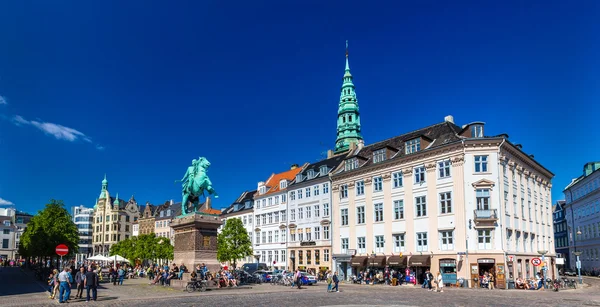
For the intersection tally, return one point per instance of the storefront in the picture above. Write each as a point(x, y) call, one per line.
point(418, 265)
point(342, 265)
point(448, 271)
point(358, 263)
point(397, 262)
point(311, 258)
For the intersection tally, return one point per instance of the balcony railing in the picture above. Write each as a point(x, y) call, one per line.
point(487, 214)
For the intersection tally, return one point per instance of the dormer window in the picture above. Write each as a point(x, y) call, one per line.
point(311, 174)
point(379, 155)
point(323, 170)
point(298, 177)
point(477, 131)
point(413, 146)
point(351, 164)
point(247, 205)
point(263, 190)
point(169, 212)
point(283, 184)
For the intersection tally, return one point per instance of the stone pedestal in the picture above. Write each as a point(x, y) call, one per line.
point(196, 240)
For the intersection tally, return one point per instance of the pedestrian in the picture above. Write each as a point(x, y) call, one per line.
point(121, 273)
point(182, 270)
point(329, 281)
point(79, 277)
point(439, 286)
point(491, 282)
point(336, 281)
point(55, 284)
point(298, 279)
point(65, 285)
point(90, 282)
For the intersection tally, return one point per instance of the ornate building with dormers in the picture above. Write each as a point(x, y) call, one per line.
point(113, 219)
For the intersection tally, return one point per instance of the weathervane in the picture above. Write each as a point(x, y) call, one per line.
point(346, 48)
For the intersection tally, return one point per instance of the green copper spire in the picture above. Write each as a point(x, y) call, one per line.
point(117, 200)
point(348, 123)
point(104, 187)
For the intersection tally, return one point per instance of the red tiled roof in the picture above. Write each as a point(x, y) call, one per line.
point(212, 211)
point(272, 183)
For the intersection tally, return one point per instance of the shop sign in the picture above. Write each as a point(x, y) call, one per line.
point(486, 261)
point(448, 263)
point(511, 258)
point(308, 243)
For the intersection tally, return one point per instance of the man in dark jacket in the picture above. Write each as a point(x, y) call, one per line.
point(90, 282)
point(79, 277)
point(336, 281)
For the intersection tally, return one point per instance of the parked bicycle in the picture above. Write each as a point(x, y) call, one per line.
point(196, 285)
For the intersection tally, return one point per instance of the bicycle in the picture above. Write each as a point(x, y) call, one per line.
point(196, 285)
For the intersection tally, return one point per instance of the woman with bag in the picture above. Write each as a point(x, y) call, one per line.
point(439, 283)
point(329, 281)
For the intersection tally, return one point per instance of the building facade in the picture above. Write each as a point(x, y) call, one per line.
point(309, 223)
point(83, 218)
point(163, 216)
point(582, 208)
point(561, 238)
point(113, 218)
point(146, 222)
point(8, 230)
point(21, 220)
point(270, 218)
point(242, 208)
point(439, 198)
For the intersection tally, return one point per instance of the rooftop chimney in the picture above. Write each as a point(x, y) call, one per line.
point(329, 154)
point(449, 119)
point(294, 166)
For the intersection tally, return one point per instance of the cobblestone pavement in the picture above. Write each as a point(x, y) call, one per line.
point(17, 288)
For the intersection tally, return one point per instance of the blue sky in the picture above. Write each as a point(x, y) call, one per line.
point(136, 89)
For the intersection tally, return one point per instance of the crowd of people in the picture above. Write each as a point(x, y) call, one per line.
point(536, 283)
point(60, 284)
point(393, 277)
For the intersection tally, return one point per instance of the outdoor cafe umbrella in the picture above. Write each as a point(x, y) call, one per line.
point(99, 258)
point(118, 258)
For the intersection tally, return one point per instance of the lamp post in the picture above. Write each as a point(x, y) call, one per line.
point(578, 264)
point(544, 268)
point(373, 255)
point(293, 258)
point(257, 257)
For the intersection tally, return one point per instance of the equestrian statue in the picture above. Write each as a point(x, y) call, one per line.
point(194, 183)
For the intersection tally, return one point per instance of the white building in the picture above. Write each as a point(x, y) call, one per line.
point(270, 216)
point(243, 209)
point(309, 212)
point(8, 249)
point(83, 218)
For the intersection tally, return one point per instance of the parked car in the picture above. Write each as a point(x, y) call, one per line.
point(308, 279)
point(253, 267)
point(265, 276)
point(570, 273)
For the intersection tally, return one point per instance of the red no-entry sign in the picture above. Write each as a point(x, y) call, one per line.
point(536, 261)
point(62, 249)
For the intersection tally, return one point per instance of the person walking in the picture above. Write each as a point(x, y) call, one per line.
point(329, 281)
point(491, 282)
point(65, 286)
point(121, 274)
point(90, 282)
point(79, 277)
point(439, 286)
point(298, 277)
point(336, 281)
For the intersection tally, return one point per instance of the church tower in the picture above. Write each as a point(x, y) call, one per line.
point(348, 121)
point(103, 193)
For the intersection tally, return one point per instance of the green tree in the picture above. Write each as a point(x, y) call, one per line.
point(49, 227)
point(144, 247)
point(233, 242)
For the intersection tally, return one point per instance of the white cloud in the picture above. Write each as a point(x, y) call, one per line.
point(99, 147)
point(60, 132)
point(5, 202)
point(3, 100)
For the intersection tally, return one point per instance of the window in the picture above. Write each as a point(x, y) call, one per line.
point(344, 216)
point(413, 146)
point(316, 190)
point(292, 195)
point(283, 198)
point(307, 190)
point(344, 245)
point(397, 180)
point(360, 215)
point(485, 239)
point(277, 200)
point(447, 240)
point(300, 258)
point(283, 235)
point(477, 131)
point(310, 174)
point(276, 216)
point(444, 168)
point(446, 202)
point(378, 184)
point(299, 194)
point(419, 174)
point(325, 188)
point(398, 209)
point(398, 242)
point(481, 164)
point(6, 231)
point(325, 232)
point(270, 215)
point(361, 245)
point(245, 220)
point(344, 191)
point(317, 233)
point(276, 236)
point(283, 184)
point(308, 234)
point(360, 187)
point(299, 178)
point(264, 218)
point(421, 206)
point(264, 203)
point(308, 212)
point(483, 199)
point(300, 213)
point(351, 164)
point(264, 237)
point(325, 209)
point(292, 214)
point(308, 257)
point(378, 212)
point(5, 243)
point(300, 235)
point(379, 155)
point(379, 244)
point(422, 242)
point(292, 235)
point(326, 255)
point(317, 211)
point(323, 170)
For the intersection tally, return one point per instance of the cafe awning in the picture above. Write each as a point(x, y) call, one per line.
point(377, 261)
point(359, 261)
point(420, 260)
point(397, 261)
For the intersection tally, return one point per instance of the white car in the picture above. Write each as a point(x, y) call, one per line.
point(308, 279)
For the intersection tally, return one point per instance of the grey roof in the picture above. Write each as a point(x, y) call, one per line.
point(331, 163)
point(239, 204)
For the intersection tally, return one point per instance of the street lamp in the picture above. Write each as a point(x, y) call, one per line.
point(578, 264)
point(293, 258)
point(544, 268)
point(257, 257)
point(373, 255)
